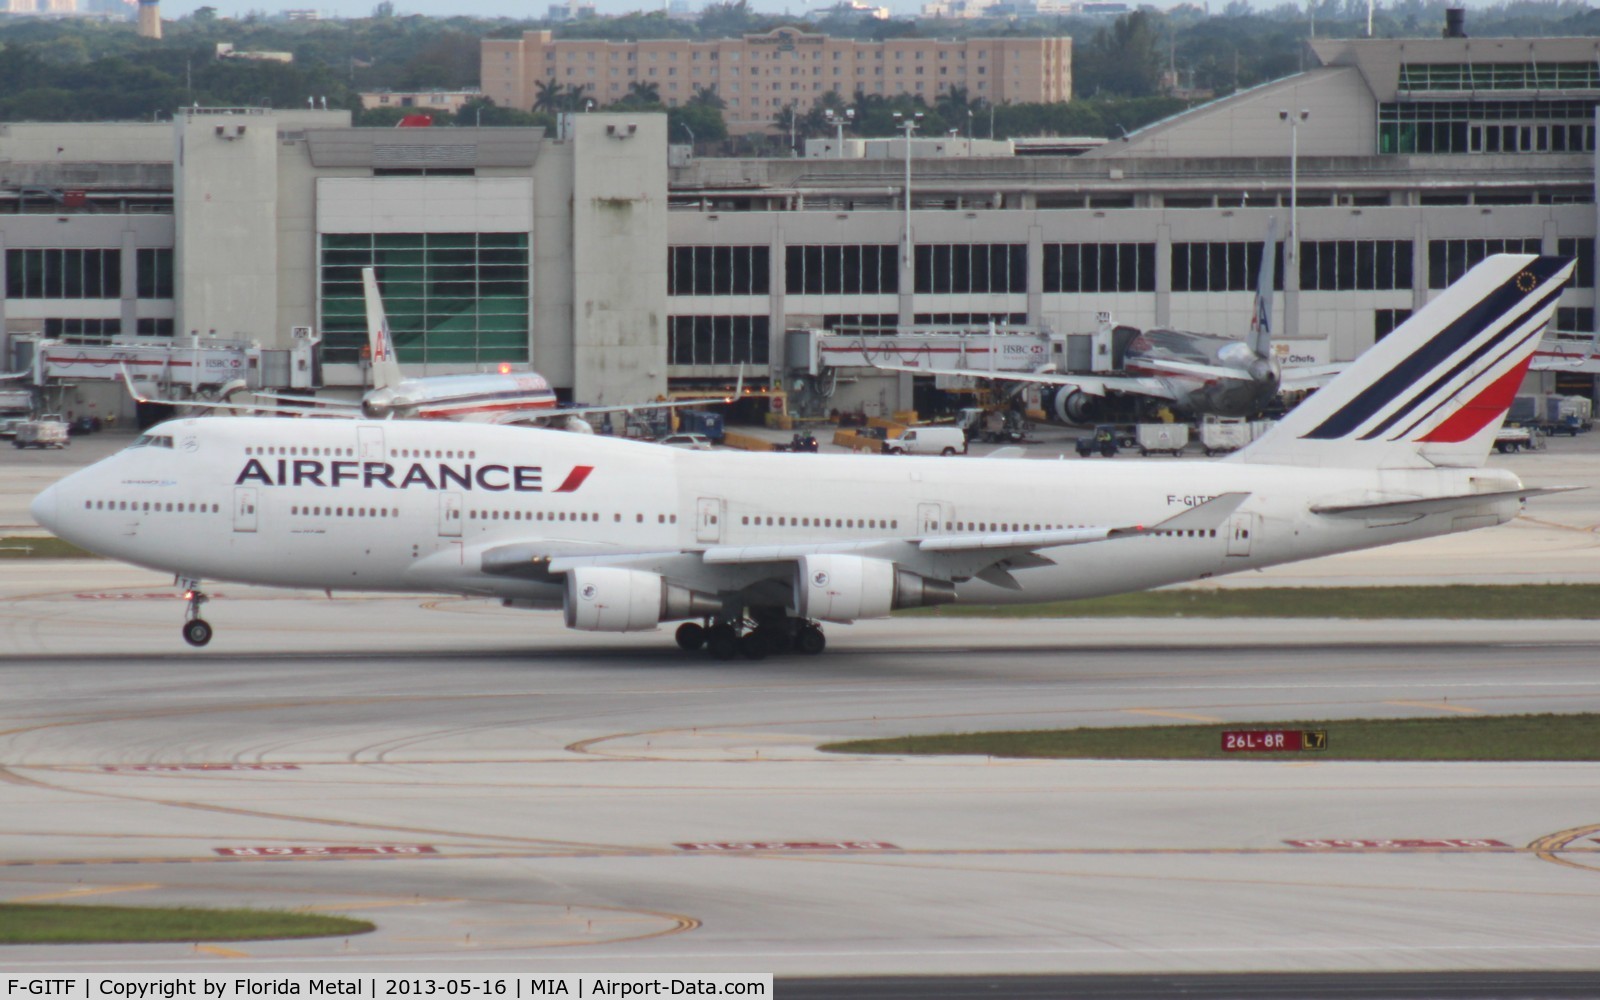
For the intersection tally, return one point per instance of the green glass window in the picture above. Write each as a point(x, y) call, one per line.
point(451, 298)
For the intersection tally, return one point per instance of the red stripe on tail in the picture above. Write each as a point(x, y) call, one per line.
point(1488, 405)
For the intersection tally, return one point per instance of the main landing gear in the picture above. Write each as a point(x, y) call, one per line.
point(770, 635)
point(196, 630)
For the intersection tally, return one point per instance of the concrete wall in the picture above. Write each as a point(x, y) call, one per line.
point(619, 236)
point(225, 207)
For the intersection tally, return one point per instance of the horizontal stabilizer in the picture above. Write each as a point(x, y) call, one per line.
point(1433, 505)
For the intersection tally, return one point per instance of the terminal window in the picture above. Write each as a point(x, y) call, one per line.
point(64, 274)
point(1355, 265)
point(717, 340)
point(1530, 126)
point(1099, 267)
point(154, 272)
point(1220, 267)
point(842, 269)
point(733, 270)
point(451, 298)
point(1583, 250)
point(971, 267)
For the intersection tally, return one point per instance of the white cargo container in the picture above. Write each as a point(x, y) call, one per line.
point(1223, 434)
point(1170, 439)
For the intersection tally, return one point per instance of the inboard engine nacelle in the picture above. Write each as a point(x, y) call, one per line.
point(837, 588)
point(607, 599)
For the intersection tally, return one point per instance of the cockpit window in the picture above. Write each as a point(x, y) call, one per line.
point(152, 441)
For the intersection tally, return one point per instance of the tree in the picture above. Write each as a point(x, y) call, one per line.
point(705, 122)
point(548, 95)
point(641, 94)
point(1123, 59)
point(577, 98)
point(707, 97)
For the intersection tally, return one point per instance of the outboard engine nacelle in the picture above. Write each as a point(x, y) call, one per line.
point(608, 599)
point(1067, 405)
point(839, 588)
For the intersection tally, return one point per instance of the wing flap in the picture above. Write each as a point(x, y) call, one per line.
point(1432, 505)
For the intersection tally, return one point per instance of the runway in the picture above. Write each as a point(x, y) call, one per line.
point(500, 794)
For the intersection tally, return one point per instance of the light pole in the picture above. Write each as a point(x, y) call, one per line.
point(1291, 263)
point(839, 122)
point(908, 125)
point(689, 130)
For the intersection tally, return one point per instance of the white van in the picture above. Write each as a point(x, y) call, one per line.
point(928, 441)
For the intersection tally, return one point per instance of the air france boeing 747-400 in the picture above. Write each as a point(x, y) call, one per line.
point(753, 551)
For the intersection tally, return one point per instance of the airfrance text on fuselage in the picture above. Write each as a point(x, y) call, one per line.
point(310, 472)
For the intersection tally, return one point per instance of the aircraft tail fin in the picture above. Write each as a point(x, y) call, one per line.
point(1261, 316)
point(1436, 390)
point(385, 366)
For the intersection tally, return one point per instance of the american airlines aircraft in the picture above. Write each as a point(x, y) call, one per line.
point(753, 551)
point(1196, 373)
point(500, 397)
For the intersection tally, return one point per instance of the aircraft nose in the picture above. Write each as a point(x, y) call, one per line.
point(46, 508)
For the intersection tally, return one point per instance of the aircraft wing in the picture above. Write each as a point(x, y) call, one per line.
point(986, 556)
point(1093, 385)
point(258, 408)
point(1432, 505)
point(1301, 378)
point(1557, 352)
point(332, 404)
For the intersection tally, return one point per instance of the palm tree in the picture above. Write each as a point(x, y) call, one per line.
point(642, 92)
point(707, 97)
point(576, 97)
point(548, 97)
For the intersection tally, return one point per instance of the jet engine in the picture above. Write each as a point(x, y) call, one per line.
point(839, 588)
point(1067, 405)
point(608, 599)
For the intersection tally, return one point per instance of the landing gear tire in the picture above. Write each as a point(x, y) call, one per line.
point(753, 645)
point(810, 640)
point(691, 636)
point(722, 642)
point(196, 632)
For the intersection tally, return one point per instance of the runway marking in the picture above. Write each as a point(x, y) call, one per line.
point(375, 904)
point(338, 850)
point(1172, 715)
point(1545, 848)
point(827, 851)
point(84, 891)
point(1438, 705)
point(220, 952)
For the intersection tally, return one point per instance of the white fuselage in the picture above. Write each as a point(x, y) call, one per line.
point(413, 505)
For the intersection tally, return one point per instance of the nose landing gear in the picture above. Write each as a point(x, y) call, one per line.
point(196, 630)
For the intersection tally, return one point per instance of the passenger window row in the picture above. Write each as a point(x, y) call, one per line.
point(315, 511)
point(147, 507)
point(785, 521)
point(301, 451)
point(554, 515)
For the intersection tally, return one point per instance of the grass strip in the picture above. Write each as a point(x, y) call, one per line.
point(1456, 738)
point(41, 547)
point(1456, 601)
point(48, 923)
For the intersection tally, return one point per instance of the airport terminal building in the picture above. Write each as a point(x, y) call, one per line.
point(621, 274)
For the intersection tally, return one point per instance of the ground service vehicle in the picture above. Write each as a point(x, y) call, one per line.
point(928, 441)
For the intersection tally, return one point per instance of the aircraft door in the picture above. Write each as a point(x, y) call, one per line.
point(371, 439)
point(1240, 529)
point(244, 508)
point(930, 518)
point(449, 515)
point(708, 520)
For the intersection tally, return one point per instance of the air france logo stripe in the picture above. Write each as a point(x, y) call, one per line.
point(1465, 363)
point(1438, 350)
